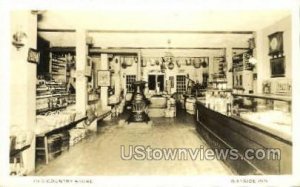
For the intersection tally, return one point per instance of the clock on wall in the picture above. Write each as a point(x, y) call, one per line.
point(276, 43)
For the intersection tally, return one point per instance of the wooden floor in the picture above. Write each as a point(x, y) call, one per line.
point(100, 154)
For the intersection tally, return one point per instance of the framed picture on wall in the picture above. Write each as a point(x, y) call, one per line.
point(33, 56)
point(88, 67)
point(277, 67)
point(103, 78)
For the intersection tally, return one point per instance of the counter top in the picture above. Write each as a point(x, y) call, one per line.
point(266, 96)
point(265, 128)
point(53, 131)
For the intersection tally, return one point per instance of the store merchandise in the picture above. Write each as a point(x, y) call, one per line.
point(76, 135)
point(53, 120)
point(219, 101)
point(170, 111)
point(190, 105)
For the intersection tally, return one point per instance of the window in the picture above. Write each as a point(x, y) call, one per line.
point(180, 84)
point(155, 80)
point(130, 79)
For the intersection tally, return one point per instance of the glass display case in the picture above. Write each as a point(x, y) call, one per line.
point(218, 100)
point(271, 113)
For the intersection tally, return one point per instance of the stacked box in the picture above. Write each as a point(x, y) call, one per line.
point(76, 135)
point(65, 137)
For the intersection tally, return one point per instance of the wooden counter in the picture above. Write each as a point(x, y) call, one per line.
point(224, 132)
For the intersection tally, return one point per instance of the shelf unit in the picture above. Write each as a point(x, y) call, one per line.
point(51, 96)
point(242, 72)
point(220, 67)
point(58, 67)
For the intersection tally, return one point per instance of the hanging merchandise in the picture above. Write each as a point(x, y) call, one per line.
point(123, 64)
point(152, 62)
point(171, 64)
point(144, 62)
point(178, 62)
point(197, 62)
point(157, 61)
point(188, 61)
point(129, 61)
point(205, 62)
point(163, 67)
point(135, 59)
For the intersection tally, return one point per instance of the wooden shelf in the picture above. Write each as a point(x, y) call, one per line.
point(54, 73)
point(42, 89)
point(50, 95)
point(42, 111)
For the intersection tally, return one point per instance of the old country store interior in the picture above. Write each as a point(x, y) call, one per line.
point(83, 83)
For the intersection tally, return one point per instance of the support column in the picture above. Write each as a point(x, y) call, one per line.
point(81, 79)
point(139, 66)
point(104, 90)
point(23, 82)
point(210, 68)
point(261, 71)
point(229, 66)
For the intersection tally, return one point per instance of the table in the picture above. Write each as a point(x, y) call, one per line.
point(45, 135)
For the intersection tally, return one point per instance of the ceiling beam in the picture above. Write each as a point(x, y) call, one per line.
point(170, 31)
point(149, 31)
point(56, 30)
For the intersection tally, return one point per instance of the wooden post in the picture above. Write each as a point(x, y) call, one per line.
point(23, 82)
point(229, 77)
point(81, 79)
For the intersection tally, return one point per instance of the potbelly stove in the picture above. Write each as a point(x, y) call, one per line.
point(139, 104)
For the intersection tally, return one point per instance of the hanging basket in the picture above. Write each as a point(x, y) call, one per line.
point(171, 65)
point(124, 66)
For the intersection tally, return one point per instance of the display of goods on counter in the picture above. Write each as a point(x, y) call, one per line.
point(219, 102)
point(53, 120)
